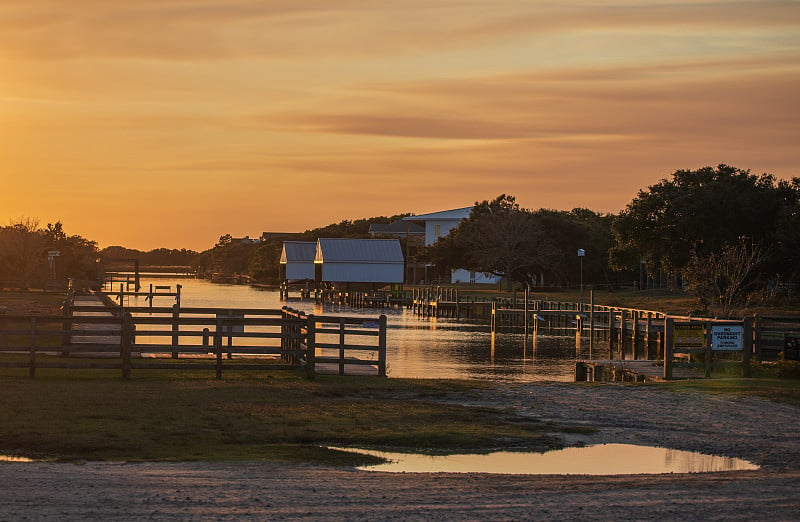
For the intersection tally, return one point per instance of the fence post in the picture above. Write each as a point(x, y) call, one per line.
point(284, 330)
point(229, 331)
point(707, 358)
point(218, 347)
point(747, 348)
point(591, 323)
point(176, 313)
point(311, 346)
point(757, 325)
point(126, 340)
point(341, 346)
point(32, 362)
point(382, 346)
point(66, 325)
point(668, 324)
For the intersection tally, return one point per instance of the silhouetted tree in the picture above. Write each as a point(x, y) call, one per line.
point(697, 213)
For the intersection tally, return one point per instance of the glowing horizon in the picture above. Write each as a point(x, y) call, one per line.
point(170, 123)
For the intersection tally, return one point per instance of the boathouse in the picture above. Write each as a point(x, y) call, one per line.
point(358, 261)
point(439, 224)
point(297, 260)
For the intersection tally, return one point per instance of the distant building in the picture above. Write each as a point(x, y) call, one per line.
point(413, 232)
point(439, 224)
point(279, 236)
point(297, 260)
point(342, 261)
point(245, 240)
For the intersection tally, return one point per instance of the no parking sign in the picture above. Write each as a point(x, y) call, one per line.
point(727, 337)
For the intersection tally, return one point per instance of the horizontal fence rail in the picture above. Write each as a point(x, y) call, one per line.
point(148, 337)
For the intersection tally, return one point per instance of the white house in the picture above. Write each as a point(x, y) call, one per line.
point(297, 260)
point(359, 261)
point(439, 224)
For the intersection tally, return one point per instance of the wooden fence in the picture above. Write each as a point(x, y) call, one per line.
point(202, 338)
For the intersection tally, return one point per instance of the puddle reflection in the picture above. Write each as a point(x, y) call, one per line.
point(605, 459)
point(11, 458)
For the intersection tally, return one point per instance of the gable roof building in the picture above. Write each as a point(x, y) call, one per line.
point(297, 260)
point(359, 260)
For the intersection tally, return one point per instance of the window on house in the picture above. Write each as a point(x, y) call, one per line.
point(437, 230)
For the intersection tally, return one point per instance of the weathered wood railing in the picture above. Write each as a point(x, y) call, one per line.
point(143, 338)
point(331, 338)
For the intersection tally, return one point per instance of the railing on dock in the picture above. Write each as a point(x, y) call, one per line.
point(201, 338)
point(332, 336)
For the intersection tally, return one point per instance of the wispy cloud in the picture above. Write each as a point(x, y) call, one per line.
point(375, 107)
point(277, 29)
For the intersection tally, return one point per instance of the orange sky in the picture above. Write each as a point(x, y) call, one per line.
point(172, 122)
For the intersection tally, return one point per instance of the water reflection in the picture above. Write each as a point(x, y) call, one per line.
point(606, 459)
point(12, 458)
point(417, 347)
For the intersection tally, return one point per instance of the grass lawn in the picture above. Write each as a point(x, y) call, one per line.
point(31, 302)
point(778, 390)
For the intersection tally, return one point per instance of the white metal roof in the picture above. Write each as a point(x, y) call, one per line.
point(455, 214)
point(298, 252)
point(331, 250)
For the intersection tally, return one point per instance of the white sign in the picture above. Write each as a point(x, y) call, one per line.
point(581, 252)
point(730, 338)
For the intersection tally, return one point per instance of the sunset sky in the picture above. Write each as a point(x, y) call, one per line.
point(169, 123)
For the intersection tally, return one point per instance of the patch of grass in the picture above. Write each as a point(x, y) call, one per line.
point(278, 416)
point(31, 302)
point(778, 390)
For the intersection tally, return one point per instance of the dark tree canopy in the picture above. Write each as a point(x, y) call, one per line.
point(24, 248)
point(524, 246)
point(699, 212)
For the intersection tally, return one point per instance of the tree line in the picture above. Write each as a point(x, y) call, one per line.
point(721, 233)
point(35, 256)
point(724, 235)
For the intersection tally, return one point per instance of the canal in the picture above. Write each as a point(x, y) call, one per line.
point(416, 347)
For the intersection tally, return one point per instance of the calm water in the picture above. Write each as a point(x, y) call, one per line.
point(604, 459)
point(416, 347)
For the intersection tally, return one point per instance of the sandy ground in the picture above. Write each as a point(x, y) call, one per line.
point(753, 429)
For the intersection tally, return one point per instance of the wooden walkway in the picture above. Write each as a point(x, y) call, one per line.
point(349, 369)
point(112, 327)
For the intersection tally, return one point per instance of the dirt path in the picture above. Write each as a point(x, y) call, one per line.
point(757, 430)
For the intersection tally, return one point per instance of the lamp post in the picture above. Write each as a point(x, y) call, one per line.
point(581, 255)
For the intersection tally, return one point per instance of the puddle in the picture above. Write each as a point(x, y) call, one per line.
point(604, 459)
